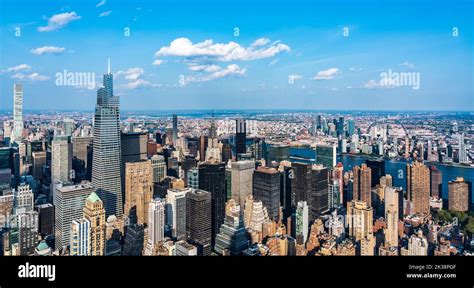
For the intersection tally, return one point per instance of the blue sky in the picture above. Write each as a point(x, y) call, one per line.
point(285, 54)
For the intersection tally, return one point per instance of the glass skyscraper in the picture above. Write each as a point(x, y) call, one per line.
point(106, 148)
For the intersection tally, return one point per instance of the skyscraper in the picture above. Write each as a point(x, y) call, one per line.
point(176, 212)
point(318, 198)
point(241, 177)
point(80, 163)
point(302, 222)
point(232, 237)
point(418, 187)
point(69, 203)
point(138, 190)
point(240, 136)
point(459, 195)
point(391, 216)
point(266, 188)
point(361, 188)
point(360, 218)
point(159, 168)
point(212, 179)
point(175, 129)
point(326, 155)
point(61, 162)
point(17, 133)
point(436, 179)
point(27, 232)
point(377, 168)
point(156, 221)
point(107, 155)
point(199, 220)
point(94, 212)
point(80, 238)
point(463, 157)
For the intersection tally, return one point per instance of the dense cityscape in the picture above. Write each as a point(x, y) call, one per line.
point(252, 183)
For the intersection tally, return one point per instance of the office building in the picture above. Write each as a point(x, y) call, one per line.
point(326, 155)
point(391, 216)
point(80, 157)
point(240, 136)
point(69, 202)
point(436, 179)
point(360, 218)
point(377, 168)
point(199, 220)
point(212, 179)
point(175, 130)
point(266, 188)
point(318, 197)
point(232, 237)
point(302, 220)
point(138, 190)
point(159, 168)
point(183, 248)
point(61, 161)
point(156, 221)
point(107, 154)
point(193, 178)
point(80, 238)
point(45, 219)
point(27, 232)
point(176, 212)
point(94, 212)
point(241, 176)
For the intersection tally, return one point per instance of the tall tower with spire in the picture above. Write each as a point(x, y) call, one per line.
point(106, 160)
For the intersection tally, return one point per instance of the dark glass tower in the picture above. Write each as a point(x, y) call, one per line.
point(377, 167)
point(107, 154)
point(240, 136)
point(198, 220)
point(212, 179)
point(175, 129)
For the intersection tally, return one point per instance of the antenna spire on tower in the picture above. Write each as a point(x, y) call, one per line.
point(108, 68)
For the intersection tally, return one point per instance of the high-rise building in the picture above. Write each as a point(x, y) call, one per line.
point(107, 154)
point(459, 195)
point(94, 212)
point(212, 179)
point(138, 190)
point(61, 161)
point(318, 197)
point(463, 156)
point(80, 238)
point(156, 221)
point(302, 221)
point(417, 245)
point(266, 188)
point(377, 168)
point(175, 129)
point(23, 199)
point(133, 146)
point(27, 232)
point(300, 181)
point(17, 133)
point(240, 136)
point(232, 237)
point(255, 216)
point(176, 212)
point(436, 179)
point(360, 218)
point(361, 187)
point(39, 161)
point(79, 155)
point(45, 219)
point(199, 220)
point(134, 240)
point(69, 203)
point(326, 155)
point(418, 187)
point(159, 168)
point(241, 177)
point(193, 178)
point(391, 216)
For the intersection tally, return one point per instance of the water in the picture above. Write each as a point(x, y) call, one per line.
point(396, 168)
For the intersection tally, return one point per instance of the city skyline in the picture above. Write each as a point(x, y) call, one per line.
point(301, 56)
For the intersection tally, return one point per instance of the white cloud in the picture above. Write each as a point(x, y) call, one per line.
point(232, 51)
point(33, 76)
point(292, 78)
point(354, 69)
point(407, 64)
point(260, 42)
point(382, 84)
point(100, 3)
point(48, 50)
point(105, 14)
point(134, 76)
point(206, 68)
point(326, 74)
point(273, 62)
point(58, 21)
point(230, 70)
point(37, 77)
point(158, 62)
point(20, 67)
